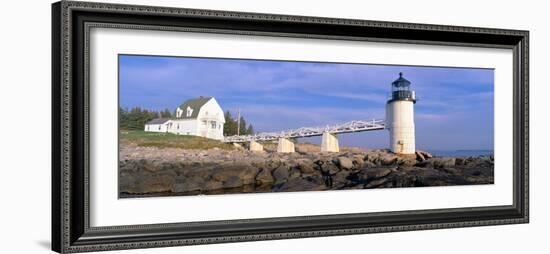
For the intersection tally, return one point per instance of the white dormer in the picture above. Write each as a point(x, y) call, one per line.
point(189, 111)
point(179, 112)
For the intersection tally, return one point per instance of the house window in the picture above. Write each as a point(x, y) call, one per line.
point(189, 111)
point(206, 113)
point(159, 127)
point(204, 123)
point(213, 124)
point(178, 126)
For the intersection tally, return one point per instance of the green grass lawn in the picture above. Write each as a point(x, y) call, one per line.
point(169, 140)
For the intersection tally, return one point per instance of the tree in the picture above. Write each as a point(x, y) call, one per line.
point(242, 126)
point(166, 113)
point(230, 126)
point(136, 118)
point(123, 118)
point(250, 130)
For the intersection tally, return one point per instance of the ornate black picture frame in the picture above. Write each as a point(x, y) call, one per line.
point(71, 230)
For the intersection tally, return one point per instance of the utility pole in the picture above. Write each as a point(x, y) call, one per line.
point(239, 122)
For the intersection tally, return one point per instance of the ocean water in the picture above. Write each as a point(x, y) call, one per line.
point(461, 153)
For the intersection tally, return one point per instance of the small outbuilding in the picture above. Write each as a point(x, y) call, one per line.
point(157, 125)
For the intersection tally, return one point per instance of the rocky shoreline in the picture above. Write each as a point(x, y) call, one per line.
point(149, 171)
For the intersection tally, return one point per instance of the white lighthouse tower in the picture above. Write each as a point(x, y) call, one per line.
point(400, 116)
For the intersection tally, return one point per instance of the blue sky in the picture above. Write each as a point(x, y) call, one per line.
point(454, 110)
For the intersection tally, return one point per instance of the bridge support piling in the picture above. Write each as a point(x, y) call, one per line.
point(285, 146)
point(329, 143)
point(255, 146)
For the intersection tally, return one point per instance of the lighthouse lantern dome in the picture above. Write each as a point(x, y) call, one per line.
point(401, 83)
point(401, 90)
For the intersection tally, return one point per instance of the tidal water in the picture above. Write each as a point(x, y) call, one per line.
point(461, 153)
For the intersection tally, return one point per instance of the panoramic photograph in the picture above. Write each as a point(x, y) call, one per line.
point(201, 126)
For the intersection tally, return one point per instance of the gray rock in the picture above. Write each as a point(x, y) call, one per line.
point(299, 184)
point(345, 163)
point(149, 166)
point(127, 183)
point(375, 183)
point(389, 159)
point(407, 160)
point(225, 171)
point(274, 163)
point(128, 166)
point(203, 173)
point(264, 177)
point(437, 163)
point(358, 161)
point(233, 182)
point(294, 172)
point(373, 173)
point(151, 184)
point(460, 161)
point(440, 177)
point(424, 164)
point(419, 156)
point(280, 174)
point(244, 171)
point(146, 171)
point(319, 162)
point(452, 171)
point(368, 164)
point(329, 168)
point(372, 157)
point(443, 162)
point(248, 175)
point(340, 179)
point(481, 162)
point(426, 154)
point(188, 185)
point(211, 186)
point(306, 166)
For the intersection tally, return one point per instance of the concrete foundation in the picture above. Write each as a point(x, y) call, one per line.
point(329, 143)
point(285, 146)
point(256, 147)
point(237, 145)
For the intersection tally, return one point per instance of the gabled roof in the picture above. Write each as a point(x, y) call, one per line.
point(158, 120)
point(195, 104)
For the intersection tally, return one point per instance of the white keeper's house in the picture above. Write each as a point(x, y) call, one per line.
point(201, 116)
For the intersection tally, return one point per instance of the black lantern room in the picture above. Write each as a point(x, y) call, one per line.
point(401, 90)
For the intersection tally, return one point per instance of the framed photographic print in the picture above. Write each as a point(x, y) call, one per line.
point(181, 126)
